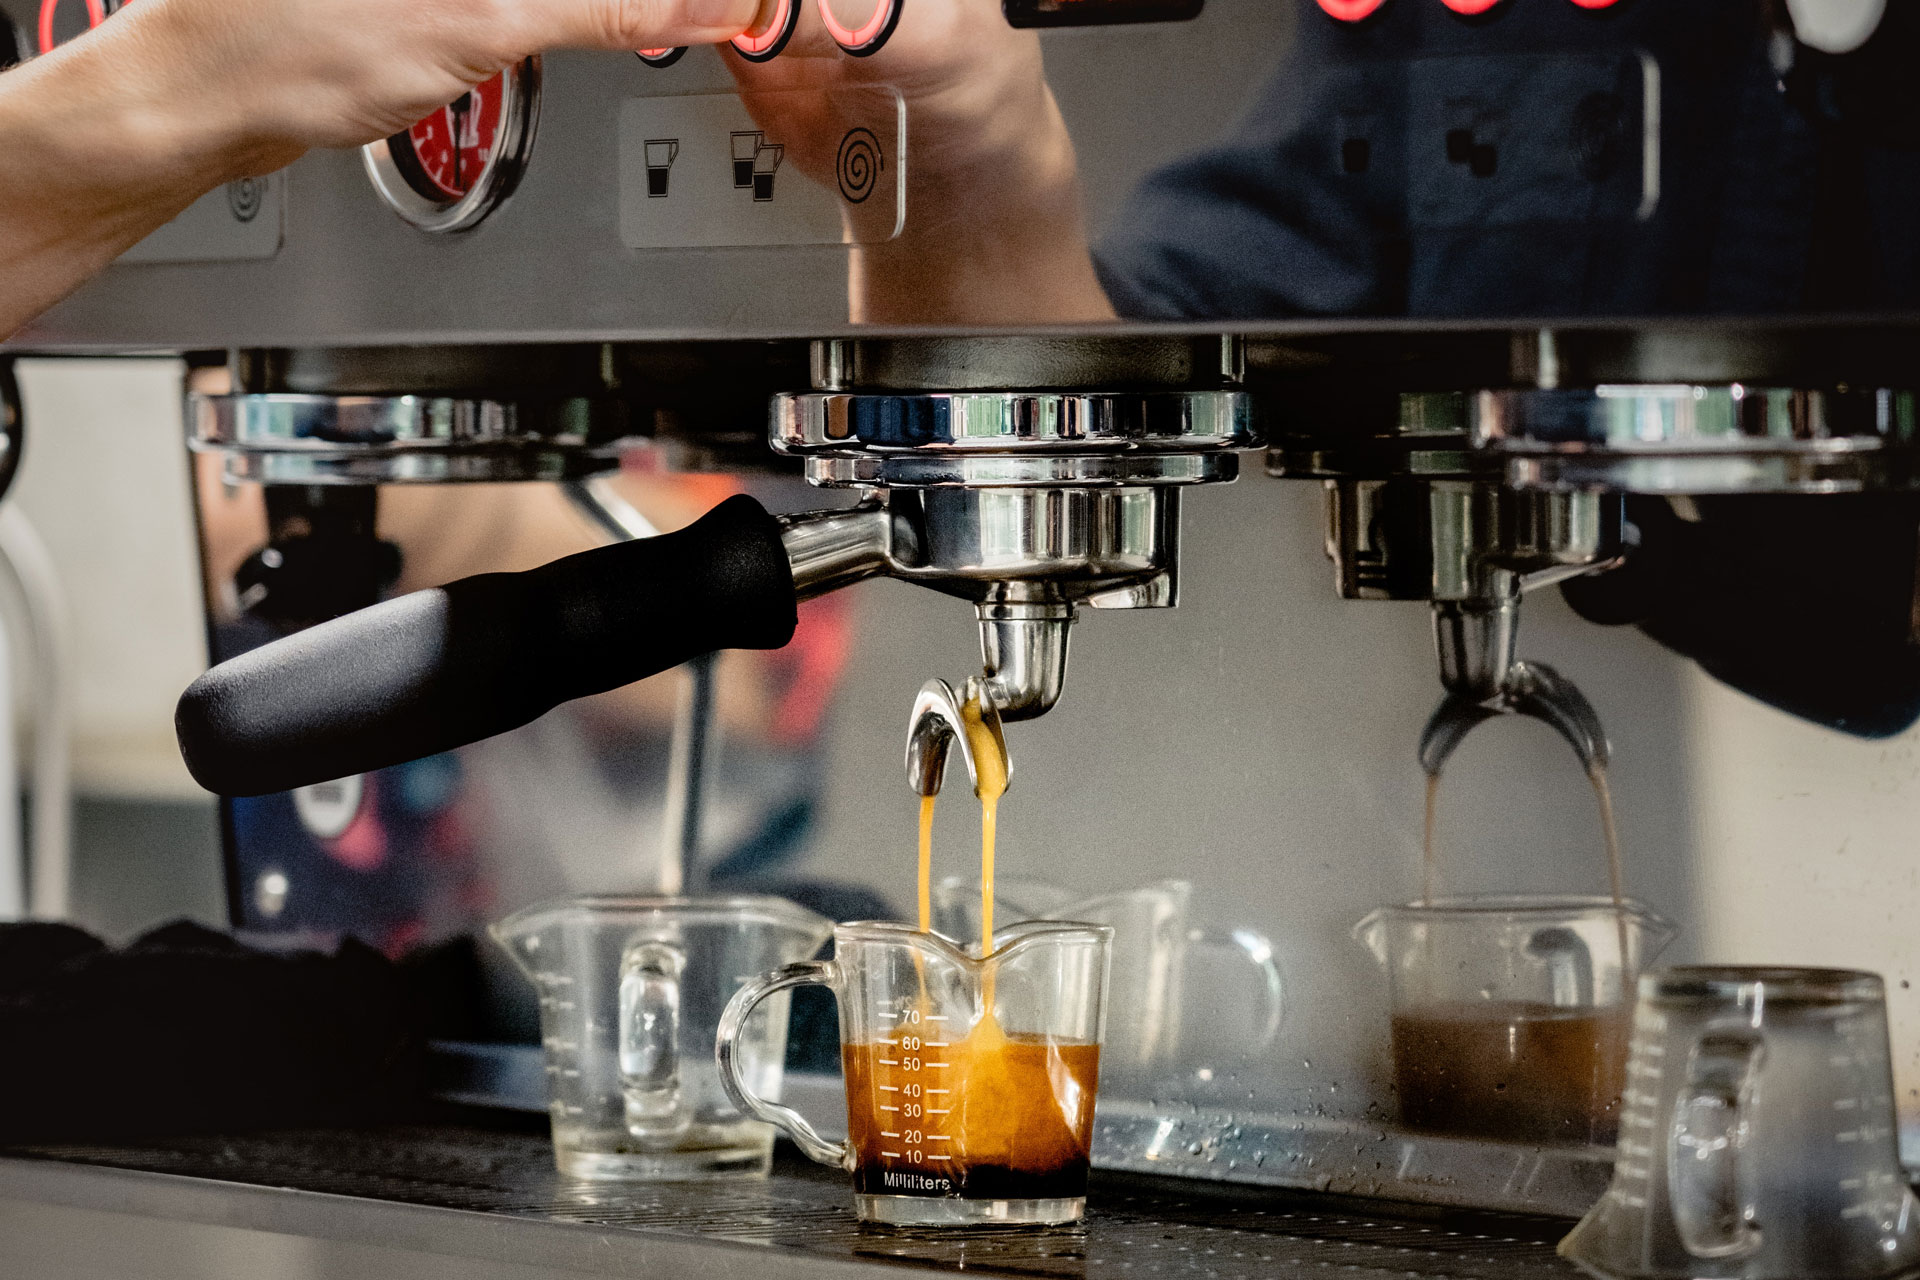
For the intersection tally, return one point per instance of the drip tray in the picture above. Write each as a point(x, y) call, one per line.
point(419, 1202)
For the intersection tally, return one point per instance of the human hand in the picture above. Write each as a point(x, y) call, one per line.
point(264, 80)
point(114, 133)
point(994, 231)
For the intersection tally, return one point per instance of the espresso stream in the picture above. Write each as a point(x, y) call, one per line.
point(1603, 796)
point(991, 1116)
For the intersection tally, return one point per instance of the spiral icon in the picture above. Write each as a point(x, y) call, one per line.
point(859, 164)
point(244, 197)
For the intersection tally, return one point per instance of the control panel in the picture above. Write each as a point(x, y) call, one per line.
point(758, 188)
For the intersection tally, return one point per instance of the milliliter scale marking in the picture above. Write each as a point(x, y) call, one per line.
point(909, 1110)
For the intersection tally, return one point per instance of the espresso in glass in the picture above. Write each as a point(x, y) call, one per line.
point(970, 1080)
point(1514, 1070)
point(1011, 1119)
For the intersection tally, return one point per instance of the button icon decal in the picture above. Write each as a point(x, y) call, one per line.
point(858, 165)
point(766, 163)
point(735, 182)
point(661, 153)
point(755, 161)
point(744, 145)
point(244, 197)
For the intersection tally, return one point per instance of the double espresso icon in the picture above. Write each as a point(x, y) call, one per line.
point(755, 162)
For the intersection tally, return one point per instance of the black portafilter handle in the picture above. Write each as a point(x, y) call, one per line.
point(434, 670)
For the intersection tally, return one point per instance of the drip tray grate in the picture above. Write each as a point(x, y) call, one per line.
point(1137, 1228)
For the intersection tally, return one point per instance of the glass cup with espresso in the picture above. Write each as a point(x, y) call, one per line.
point(970, 1081)
point(1511, 1013)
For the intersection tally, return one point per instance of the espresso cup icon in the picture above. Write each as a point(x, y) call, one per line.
point(766, 163)
point(745, 145)
point(661, 153)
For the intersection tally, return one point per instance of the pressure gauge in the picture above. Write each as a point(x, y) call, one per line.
point(453, 168)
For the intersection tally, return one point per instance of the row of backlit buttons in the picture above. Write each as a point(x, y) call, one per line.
point(1355, 10)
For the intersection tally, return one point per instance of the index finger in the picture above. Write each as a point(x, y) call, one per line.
point(635, 24)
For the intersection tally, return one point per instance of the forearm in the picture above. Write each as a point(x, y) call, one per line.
point(97, 154)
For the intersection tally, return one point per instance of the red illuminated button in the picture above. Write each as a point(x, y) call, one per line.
point(765, 43)
point(867, 37)
point(49, 33)
point(1470, 7)
point(1350, 10)
point(661, 57)
point(1596, 4)
point(452, 146)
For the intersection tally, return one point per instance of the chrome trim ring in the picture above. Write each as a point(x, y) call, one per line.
point(519, 120)
point(362, 467)
point(1689, 439)
point(307, 439)
point(1016, 422)
point(1015, 471)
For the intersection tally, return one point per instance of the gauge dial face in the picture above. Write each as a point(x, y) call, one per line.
point(448, 171)
point(453, 147)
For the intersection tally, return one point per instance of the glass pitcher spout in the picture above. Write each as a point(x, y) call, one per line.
point(534, 936)
point(1007, 942)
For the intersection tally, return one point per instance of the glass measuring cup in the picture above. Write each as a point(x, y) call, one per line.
point(970, 1082)
point(1758, 1138)
point(631, 990)
point(1510, 1012)
point(1154, 948)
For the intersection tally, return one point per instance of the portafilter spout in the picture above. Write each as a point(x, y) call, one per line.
point(938, 725)
point(1528, 689)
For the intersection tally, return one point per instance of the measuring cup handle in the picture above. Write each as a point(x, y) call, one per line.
point(1256, 950)
point(649, 1031)
point(1708, 1184)
point(734, 1021)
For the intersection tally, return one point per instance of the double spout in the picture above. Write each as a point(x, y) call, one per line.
point(938, 725)
point(1483, 679)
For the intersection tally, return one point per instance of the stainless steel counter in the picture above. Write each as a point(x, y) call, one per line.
point(427, 1203)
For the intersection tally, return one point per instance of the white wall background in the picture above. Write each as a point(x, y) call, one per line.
point(104, 481)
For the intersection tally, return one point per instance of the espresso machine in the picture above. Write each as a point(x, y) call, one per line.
point(1605, 297)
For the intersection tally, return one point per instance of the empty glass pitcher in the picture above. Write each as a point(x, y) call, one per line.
point(1510, 1012)
point(631, 991)
point(1758, 1140)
